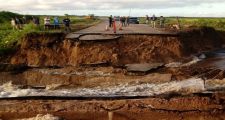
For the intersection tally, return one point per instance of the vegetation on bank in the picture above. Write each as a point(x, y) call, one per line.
point(185, 22)
point(5, 16)
point(9, 38)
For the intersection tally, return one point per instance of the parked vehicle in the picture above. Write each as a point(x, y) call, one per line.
point(134, 20)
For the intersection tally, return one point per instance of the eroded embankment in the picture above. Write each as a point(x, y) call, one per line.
point(53, 50)
point(206, 107)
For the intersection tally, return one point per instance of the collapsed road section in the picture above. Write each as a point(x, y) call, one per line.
point(115, 76)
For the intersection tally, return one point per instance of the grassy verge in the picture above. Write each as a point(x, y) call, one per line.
point(217, 23)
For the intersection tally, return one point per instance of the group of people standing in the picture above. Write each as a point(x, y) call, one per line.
point(18, 23)
point(36, 20)
point(49, 25)
point(124, 21)
point(149, 20)
point(56, 23)
point(153, 20)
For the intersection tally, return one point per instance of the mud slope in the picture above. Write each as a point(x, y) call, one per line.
point(52, 50)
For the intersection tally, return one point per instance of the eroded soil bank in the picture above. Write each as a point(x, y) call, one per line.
point(204, 106)
point(53, 50)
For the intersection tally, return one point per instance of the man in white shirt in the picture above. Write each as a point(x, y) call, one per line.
point(47, 23)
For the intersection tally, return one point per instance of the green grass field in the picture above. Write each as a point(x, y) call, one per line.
point(9, 38)
point(217, 23)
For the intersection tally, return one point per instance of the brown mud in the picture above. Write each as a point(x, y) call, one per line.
point(53, 50)
point(49, 59)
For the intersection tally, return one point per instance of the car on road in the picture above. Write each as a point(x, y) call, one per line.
point(134, 20)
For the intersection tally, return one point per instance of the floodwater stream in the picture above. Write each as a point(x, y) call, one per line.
point(215, 59)
point(193, 85)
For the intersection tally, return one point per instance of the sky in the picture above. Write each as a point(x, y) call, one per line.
point(186, 8)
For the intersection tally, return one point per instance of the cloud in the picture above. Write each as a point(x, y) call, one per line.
point(189, 6)
point(102, 4)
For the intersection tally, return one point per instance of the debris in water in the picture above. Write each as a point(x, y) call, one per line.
point(174, 65)
point(179, 64)
point(202, 56)
point(53, 86)
point(143, 67)
point(194, 61)
point(215, 84)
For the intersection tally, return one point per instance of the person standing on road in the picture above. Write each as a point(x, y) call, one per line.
point(127, 21)
point(154, 18)
point(66, 23)
point(21, 23)
point(25, 19)
point(162, 21)
point(110, 21)
point(13, 23)
point(47, 23)
point(114, 25)
point(178, 23)
point(56, 23)
point(147, 20)
point(17, 23)
point(36, 21)
point(123, 21)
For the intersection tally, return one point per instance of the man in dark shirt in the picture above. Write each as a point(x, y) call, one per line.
point(154, 18)
point(36, 21)
point(66, 23)
point(123, 21)
point(110, 21)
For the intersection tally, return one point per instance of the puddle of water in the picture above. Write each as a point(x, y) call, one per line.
point(193, 85)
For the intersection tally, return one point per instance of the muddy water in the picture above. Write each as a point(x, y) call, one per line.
point(193, 85)
point(214, 59)
point(217, 62)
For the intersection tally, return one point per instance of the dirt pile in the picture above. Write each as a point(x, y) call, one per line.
point(53, 50)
